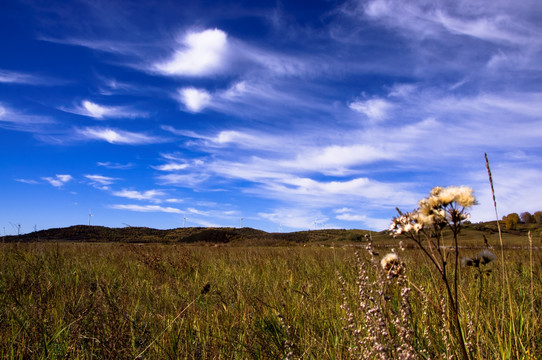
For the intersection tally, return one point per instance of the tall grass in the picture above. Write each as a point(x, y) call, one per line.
point(83, 301)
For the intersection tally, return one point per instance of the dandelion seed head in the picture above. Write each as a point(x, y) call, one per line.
point(392, 265)
point(389, 260)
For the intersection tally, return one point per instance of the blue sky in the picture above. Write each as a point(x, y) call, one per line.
point(275, 115)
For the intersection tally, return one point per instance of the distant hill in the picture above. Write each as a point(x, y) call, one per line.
point(84, 233)
point(473, 235)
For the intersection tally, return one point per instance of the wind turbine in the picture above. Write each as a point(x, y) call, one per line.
point(89, 216)
point(16, 227)
point(241, 222)
point(184, 221)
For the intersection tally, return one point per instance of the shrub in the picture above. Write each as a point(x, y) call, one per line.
point(511, 221)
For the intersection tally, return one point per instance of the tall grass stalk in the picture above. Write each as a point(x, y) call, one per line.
point(533, 314)
point(182, 311)
point(503, 270)
point(506, 283)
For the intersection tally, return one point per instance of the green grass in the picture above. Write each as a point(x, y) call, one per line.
point(117, 301)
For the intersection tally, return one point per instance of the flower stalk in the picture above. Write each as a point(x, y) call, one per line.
point(444, 208)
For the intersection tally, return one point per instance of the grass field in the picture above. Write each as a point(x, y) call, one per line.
point(61, 300)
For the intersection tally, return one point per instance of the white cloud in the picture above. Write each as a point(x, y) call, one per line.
point(498, 29)
point(374, 109)
point(497, 23)
point(343, 210)
point(360, 186)
point(201, 53)
point(244, 139)
point(198, 212)
point(91, 109)
point(174, 201)
point(295, 218)
point(102, 180)
point(64, 178)
point(306, 191)
point(26, 181)
point(146, 208)
point(58, 180)
point(335, 159)
point(194, 99)
point(95, 110)
point(351, 217)
point(110, 46)
point(137, 195)
point(111, 165)
point(16, 77)
point(113, 136)
point(402, 90)
point(185, 180)
point(171, 167)
point(265, 96)
point(15, 120)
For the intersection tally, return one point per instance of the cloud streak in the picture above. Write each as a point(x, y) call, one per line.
point(146, 208)
point(59, 180)
point(102, 180)
point(101, 112)
point(119, 137)
point(138, 195)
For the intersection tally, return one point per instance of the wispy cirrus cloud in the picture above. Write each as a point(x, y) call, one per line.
point(262, 96)
point(171, 167)
point(146, 208)
point(113, 165)
point(374, 109)
point(16, 77)
point(240, 138)
point(58, 180)
point(495, 24)
point(120, 47)
point(352, 217)
point(115, 136)
point(295, 218)
point(140, 195)
point(183, 180)
point(11, 119)
point(91, 109)
point(27, 181)
point(102, 180)
point(341, 159)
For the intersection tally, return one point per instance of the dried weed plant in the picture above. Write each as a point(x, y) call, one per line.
point(381, 328)
point(445, 209)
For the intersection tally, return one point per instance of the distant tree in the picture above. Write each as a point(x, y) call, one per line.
point(526, 217)
point(511, 221)
point(537, 216)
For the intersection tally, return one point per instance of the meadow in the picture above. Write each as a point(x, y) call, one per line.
point(65, 300)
